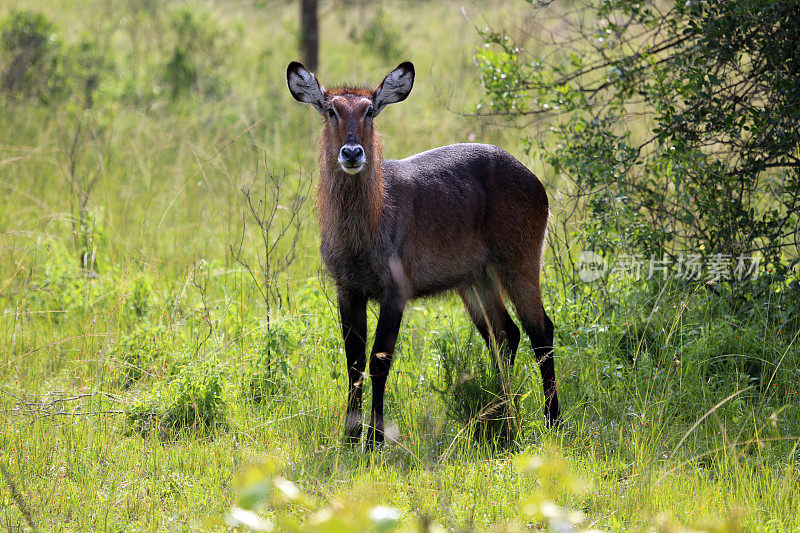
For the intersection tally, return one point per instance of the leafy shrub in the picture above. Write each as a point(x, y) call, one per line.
point(180, 73)
point(501, 78)
point(780, 309)
point(270, 372)
point(477, 393)
point(237, 325)
point(382, 36)
point(192, 402)
point(62, 282)
point(90, 66)
point(199, 50)
point(688, 143)
point(36, 64)
point(60, 285)
point(643, 338)
point(140, 297)
point(32, 56)
point(149, 349)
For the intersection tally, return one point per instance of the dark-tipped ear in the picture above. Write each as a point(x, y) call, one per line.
point(395, 87)
point(304, 86)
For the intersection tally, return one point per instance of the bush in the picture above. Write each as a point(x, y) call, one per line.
point(677, 131)
point(197, 54)
point(643, 338)
point(61, 285)
point(382, 36)
point(33, 64)
point(270, 371)
point(36, 64)
point(734, 353)
point(149, 349)
point(140, 297)
point(193, 403)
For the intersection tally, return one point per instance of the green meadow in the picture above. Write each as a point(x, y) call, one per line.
point(170, 350)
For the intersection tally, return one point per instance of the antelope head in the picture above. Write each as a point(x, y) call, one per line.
point(349, 112)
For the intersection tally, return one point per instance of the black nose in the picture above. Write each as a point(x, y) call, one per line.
point(352, 153)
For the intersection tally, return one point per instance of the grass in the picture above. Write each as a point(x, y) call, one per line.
point(678, 412)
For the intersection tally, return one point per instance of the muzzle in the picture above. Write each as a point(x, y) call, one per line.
point(352, 158)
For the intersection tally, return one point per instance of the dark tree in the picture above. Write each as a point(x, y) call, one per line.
point(309, 33)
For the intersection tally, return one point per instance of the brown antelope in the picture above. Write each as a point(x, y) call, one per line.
point(468, 217)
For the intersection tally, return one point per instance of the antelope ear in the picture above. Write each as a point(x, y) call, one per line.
point(395, 87)
point(304, 86)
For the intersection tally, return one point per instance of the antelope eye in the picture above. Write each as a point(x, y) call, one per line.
point(331, 113)
point(370, 112)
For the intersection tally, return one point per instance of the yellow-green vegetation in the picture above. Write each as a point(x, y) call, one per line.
point(166, 364)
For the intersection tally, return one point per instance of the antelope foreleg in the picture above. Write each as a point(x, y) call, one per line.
point(389, 319)
point(353, 313)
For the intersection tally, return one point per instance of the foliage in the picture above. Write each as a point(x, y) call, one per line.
point(738, 353)
point(141, 296)
point(193, 402)
point(197, 55)
point(62, 285)
point(270, 371)
point(382, 36)
point(717, 169)
point(33, 64)
point(38, 65)
point(151, 349)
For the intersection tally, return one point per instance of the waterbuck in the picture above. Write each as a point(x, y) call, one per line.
point(468, 217)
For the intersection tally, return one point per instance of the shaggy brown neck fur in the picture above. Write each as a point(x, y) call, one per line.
point(350, 206)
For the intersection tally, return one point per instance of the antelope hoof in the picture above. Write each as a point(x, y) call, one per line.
point(552, 421)
point(352, 429)
point(352, 437)
point(374, 439)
